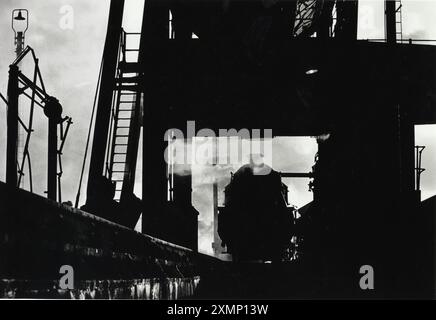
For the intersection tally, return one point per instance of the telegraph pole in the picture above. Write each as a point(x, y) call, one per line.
point(20, 24)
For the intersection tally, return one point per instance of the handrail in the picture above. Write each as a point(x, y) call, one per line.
point(403, 41)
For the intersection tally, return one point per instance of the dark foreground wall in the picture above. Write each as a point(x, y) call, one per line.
point(38, 236)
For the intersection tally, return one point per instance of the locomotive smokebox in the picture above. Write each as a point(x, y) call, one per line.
point(255, 222)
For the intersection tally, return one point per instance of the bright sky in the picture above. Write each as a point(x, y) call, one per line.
point(69, 62)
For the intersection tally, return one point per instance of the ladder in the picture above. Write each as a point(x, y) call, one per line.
point(125, 110)
point(399, 20)
point(334, 20)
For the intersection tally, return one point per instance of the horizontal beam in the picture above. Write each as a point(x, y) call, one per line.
point(296, 175)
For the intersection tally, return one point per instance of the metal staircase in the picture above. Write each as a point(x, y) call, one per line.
point(125, 115)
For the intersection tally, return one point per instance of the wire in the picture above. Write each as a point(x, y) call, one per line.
point(89, 135)
point(4, 99)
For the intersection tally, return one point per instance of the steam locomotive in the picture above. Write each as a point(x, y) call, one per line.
point(255, 223)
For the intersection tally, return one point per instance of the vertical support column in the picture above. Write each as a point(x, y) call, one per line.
point(53, 111)
point(390, 24)
point(110, 59)
point(52, 159)
point(132, 150)
point(182, 188)
point(347, 13)
point(216, 245)
point(155, 31)
point(407, 136)
point(12, 131)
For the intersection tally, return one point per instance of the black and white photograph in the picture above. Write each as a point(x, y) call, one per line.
point(218, 154)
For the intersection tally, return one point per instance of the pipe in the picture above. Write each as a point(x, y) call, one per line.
point(12, 130)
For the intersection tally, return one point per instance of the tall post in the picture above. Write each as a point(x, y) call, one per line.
point(390, 21)
point(155, 30)
point(107, 85)
point(52, 159)
point(12, 131)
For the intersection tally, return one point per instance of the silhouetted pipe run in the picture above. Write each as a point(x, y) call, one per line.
point(12, 131)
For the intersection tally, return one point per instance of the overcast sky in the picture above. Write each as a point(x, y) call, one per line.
point(70, 59)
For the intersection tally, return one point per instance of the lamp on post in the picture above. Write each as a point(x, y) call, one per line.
point(20, 24)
